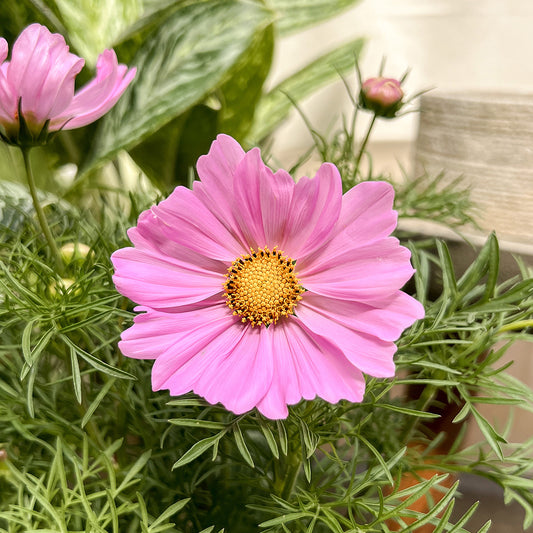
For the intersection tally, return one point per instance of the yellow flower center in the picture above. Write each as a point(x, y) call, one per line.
point(262, 286)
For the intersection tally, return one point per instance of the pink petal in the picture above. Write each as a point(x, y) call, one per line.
point(367, 352)
point(366, 216)
point(262, 201)
point(307, 365)
point(314, 211)
point(58, 90)
point(155, 280)
point(187, 221)
point(4, 49)
point(234, 368)
point(385, 319)
point(8, 98)
point(366, 273)
point(154, 332)
point(149, 235)
point(216, 171)
point(43, 72)
point(99, 95)
point(367, 213)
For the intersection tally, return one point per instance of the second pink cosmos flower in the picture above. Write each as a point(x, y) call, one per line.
point(257, 291)
point(38, 83)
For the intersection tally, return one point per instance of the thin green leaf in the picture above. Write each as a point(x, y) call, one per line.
point(407, 411)
point(96, 402)
point(485, 527)
point(378, 456)
point(198, 449)
point(275, 105)
point(271, 441)
point(462, 414)
point(493, 438)
point(196, 423)
point(76, 376)
point(169, 511)
point(282, 434)
point(285, 519)
point(493, 268)
point(478, 268)
point(448, 273)
point(97, 363)
point(241, 445)
point(464, 519)
point(29, 390)
point(26, 340)
point(134, 470)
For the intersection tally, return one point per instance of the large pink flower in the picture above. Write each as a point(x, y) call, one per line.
point(39, 83)
point(257, 291)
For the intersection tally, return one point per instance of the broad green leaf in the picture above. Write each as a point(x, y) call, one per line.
point(199, 131)
point(94, 25)
point(157, 155)
point(242, 91)
point(295, 15)
point(275, 105)
point(15, 16)
point(184, 60)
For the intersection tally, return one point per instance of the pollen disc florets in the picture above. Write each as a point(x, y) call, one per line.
point(262, 286)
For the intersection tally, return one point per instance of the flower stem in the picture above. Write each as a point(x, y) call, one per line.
point(364, 143)
point(39, 211)
point(291, 475)
point(424, 402)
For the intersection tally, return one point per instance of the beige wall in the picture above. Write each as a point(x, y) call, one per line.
point(447, 44)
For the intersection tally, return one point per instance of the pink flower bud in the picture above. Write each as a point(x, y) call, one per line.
point(37, 87)
point(381, 95)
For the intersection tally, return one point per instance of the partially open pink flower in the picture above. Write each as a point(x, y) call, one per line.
point(257, 291)
point(38, 83)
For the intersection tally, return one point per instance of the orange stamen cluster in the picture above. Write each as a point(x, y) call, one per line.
point(262, 286)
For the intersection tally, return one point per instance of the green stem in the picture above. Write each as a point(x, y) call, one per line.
point(39, 211)
point(291, 475)
point(364, 143)
point(425, 400)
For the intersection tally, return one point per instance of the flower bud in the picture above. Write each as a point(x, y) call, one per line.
point(381, 95)
point(4, 470)
point(74, 251)
point(61, 286)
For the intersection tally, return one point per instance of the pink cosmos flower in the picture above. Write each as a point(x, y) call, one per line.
point(38, 83)
point(257, 291)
